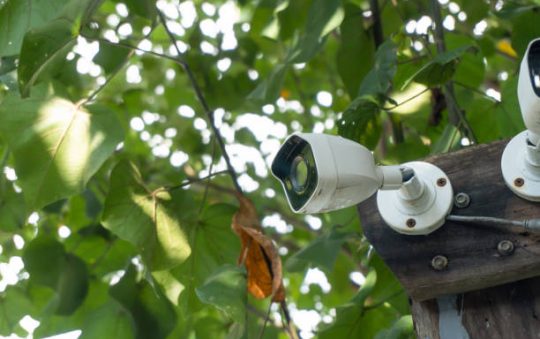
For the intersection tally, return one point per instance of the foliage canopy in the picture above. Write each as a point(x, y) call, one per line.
point(129, 127)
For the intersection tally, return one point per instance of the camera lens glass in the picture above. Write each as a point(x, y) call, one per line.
point(534, 66)
point(299, 173)
point(295, 166)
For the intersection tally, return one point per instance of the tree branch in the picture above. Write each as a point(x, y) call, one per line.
point(202, 100)
point(378, 38)
point(456, 116)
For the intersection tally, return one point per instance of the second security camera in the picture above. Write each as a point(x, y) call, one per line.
point(321, 172)
point(520, 163)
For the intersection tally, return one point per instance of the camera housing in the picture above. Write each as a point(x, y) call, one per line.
point(520, 162)
point(321, 173)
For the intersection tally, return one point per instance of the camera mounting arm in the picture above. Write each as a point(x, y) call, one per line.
point(520, 162)
point(421, 203)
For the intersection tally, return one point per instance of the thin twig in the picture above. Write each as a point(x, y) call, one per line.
point(378, 38)
point(202, 100)
point(132, 47)
point(456, 115)
point(267, 316)
point(116, 71)
point(210, 169)
point(193, 181)
point(477, 91)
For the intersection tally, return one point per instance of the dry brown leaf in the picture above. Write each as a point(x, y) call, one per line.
point(258, 253)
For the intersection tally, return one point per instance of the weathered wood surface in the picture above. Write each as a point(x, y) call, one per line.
point(503, 312)
point(474, 262)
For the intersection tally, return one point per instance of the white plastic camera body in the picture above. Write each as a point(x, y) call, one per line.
point(520, 163)
point(321, 173)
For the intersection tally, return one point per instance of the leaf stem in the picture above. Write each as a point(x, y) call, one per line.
point(267, 316)
point(406, 100)
point(202, 100)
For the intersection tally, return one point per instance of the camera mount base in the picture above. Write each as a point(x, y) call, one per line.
point(520, 175)
point(421, 205)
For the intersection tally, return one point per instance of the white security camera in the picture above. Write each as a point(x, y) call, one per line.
point(520, 163)
point(321, 173)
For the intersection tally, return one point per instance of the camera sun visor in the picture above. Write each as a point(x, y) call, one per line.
point(295, 167)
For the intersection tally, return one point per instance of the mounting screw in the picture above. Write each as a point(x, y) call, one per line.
point(410, 223)
point(439, 262)
point(505, 247)
point(441, 182)
point(518, 182)
point(462, 200)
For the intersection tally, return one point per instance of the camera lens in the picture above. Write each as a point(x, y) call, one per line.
point(534, 66)
point(299, 173)
point(295, 167)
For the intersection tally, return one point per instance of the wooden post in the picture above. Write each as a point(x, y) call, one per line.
point(460, 300)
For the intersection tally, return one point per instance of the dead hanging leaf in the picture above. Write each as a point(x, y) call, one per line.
point(262, 261)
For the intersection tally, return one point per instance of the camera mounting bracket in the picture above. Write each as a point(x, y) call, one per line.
point(520, 165)
point(421, 205)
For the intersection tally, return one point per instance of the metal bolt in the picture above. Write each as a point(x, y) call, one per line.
point(518, 182)
point(505, 247)
point(439, 262)
point(441, 182)
point(411, 223)
point(462, 200)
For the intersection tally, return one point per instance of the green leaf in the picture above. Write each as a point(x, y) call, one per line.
point(45, 47)
point(226, 289)
point(512, 8)
point(379, 80)
point(471, 67)
point(268, 90)
point(57, 145)
point(170, 285)
point(354, 321)
point(17, 17)
point(360, 121)
point(323, 17)
point(111, 57)
point(524, 29)
point(289, 17)
point(508, 119)
point(387, 289)
point(145, 219)
point(72, 285)
point(355, 54)
point(440, 69)
point(143, 8)
point(44, 258)
point(12, 208)
point(108, 321)
point(48, 264)
point(403, 328)
point(476, 10)
point(322, 252)
point(214, 245)
point(7, 64)
point(153, 315)
point(14, 306)
point(450, 138)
